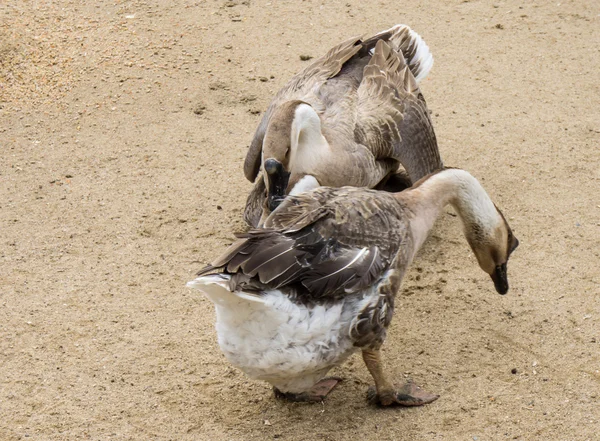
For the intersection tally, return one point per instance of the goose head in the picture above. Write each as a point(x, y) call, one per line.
point(492, 241)
point(290, 148)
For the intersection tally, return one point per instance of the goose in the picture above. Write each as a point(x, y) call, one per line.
point(317, 283)
point(350, 118)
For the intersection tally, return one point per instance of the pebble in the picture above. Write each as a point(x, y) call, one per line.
point(199, 109)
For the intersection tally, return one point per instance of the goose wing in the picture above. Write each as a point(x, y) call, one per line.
point(301, 87)
point(255, 203)
point(392, 116)
point(322, 245)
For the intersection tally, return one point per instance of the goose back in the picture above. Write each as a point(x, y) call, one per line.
point(321, 245)
point(330, 85)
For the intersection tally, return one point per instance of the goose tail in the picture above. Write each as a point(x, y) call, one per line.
point(216, 288)
point(414, 49)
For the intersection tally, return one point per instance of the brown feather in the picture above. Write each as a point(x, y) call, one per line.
point(300, 87)
point(393, 118)
point(349, 243)
point(371, 111)
point(255, 202)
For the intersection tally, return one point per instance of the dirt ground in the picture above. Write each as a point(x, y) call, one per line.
point(123, 128)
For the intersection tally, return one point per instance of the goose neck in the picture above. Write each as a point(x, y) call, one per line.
point(309, 146)
point(451, 187)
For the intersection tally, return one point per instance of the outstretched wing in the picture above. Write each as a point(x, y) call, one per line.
point(402, 39)
point(393, 119)
point(325, 244)
point(301, 87)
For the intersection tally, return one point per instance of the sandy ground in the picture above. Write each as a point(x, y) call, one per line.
point(123, 127)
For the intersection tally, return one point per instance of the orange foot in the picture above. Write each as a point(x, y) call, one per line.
point(407, 395)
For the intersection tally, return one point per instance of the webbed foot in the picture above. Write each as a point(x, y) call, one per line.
point(408, 394)
point(315, 394)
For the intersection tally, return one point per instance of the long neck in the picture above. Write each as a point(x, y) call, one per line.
point(308, 145)
point(455, 187)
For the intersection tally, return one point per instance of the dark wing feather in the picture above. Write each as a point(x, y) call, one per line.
point(234, 252)
point(348, 246)
point(369, 271)
point(331, 276)
point(237, 261)
point(298, 212)
point(301, 87)
point(270, 259)
point(393, 119)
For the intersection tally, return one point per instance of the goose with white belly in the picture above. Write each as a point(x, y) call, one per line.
point(318, 283)
point(350, 118)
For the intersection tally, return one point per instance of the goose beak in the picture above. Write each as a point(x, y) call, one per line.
point(500, 279)
point(278, 178)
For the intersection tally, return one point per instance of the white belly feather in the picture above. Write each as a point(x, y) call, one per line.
point(273, 339)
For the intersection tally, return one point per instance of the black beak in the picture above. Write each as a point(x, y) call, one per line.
point(500, 279)
point(278, 178)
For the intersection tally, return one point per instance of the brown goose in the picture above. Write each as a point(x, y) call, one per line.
point(350, 118)
point(318, 283)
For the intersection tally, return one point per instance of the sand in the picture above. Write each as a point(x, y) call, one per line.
point(123, 128)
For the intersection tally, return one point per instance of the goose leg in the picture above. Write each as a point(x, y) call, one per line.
point(386, 394)
point(317, 393)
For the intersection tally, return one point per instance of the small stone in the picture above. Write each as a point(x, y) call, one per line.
point(247, 98)
point(305, 57)
point(513, 371)
point(219, 207)
point(199, 109)
point(268, 423)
